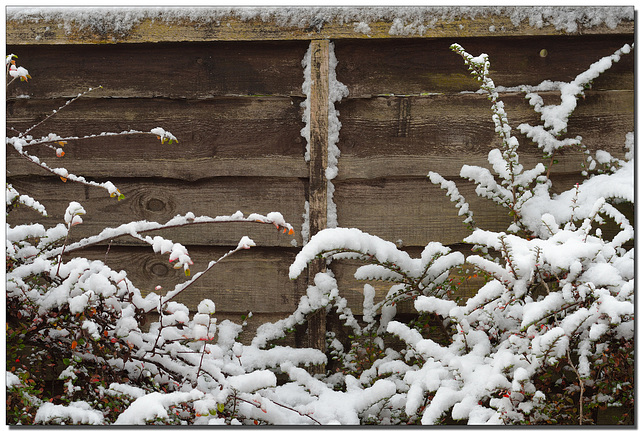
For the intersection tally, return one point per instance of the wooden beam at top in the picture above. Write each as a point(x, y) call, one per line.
point(232, 29)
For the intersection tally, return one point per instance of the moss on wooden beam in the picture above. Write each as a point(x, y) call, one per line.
point(48, 31)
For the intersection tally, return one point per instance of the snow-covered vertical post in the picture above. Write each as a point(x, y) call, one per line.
point(318, 135)
point(318, 105)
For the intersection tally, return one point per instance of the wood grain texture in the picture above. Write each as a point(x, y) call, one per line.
point(409, 209)
point(318, 101)
point(177, 70)
point(318, 135)
point(412, 210)
point(255, 280)
point(218, 137)
point(160, 200)
point(443, 132)
point(235, 107)
point(367, 67)
point(428, 66)
point(229, 28)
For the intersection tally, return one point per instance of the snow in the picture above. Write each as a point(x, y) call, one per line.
point(253, 381)
point(349, 239)
point(337, 91)
point(150, 406)
point(77, 412)
point(206, 306)
point(131, 391)
point(12, 380)
point(408, 20)
point(556, 117)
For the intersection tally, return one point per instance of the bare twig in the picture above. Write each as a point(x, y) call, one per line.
point(55, 111)
point(581, 386)
point(278, 404)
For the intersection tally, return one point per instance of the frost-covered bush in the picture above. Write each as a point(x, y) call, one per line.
point(549, 337)
point(85, 346)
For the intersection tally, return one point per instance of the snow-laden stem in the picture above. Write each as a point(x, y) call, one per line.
point(179, 288)
point(45, 140)
point(134, 229)
point(204, 350)
point(66, 176)
point(66, 238)
point(55, 111)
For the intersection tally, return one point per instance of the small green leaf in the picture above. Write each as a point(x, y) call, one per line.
point(220, 407)
point(120, 197)
point(66, 361)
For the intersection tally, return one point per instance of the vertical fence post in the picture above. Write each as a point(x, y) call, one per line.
point(319, 150)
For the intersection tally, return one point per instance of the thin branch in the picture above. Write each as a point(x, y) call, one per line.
point(581, 385)
point(551, 314)
point(256, 405)
point(179, 288)
point(294, 410)
point(55, 111)
point(68, 177)
point(145, 226)
point(47, 140)
point(204, 349)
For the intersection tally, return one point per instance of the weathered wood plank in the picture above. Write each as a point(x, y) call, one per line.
point(428, 66)
point(160, 200)
point(443, 132)
point(319, 152)
point(192, 70)
point(412, 211)
point(409, 209)
point(231, 28)
point(255, 280)
point(218, 137)
point(318, 135)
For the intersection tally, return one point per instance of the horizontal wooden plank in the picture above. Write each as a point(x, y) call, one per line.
point(160, 200)
point(429, 66)
point(377, 137)
point(179, 70)
point(322, 23)
point(367, 67)
point(255, 280)
point(410, 136)
point(412, 211)
point(218, 137)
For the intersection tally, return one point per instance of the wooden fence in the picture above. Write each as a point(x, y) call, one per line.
point(231, 93)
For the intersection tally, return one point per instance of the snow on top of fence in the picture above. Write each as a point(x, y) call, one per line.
point(406, 20)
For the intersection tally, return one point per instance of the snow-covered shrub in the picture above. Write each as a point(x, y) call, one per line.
point(85, 346)
point(549, 338)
